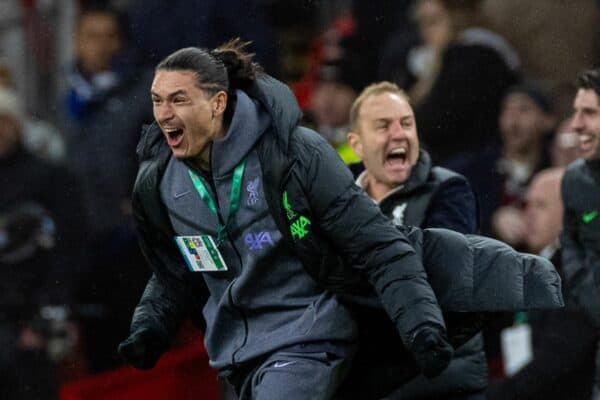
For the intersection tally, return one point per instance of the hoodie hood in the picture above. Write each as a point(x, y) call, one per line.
point(279, 101)
point(276, 99)
point(249, 122)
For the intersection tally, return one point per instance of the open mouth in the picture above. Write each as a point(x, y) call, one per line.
point(397, 156)
point(174, 136)
point(585, 142)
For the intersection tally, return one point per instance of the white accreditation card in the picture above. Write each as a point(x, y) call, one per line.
point(200, 253)
point(517, 349)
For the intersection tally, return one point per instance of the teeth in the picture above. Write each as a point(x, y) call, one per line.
point(398, 151)
point(585, 138)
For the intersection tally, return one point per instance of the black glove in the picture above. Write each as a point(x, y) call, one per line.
point(431, 351)
point(143, 348)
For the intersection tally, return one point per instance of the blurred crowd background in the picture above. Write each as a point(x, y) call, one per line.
point(491, 83)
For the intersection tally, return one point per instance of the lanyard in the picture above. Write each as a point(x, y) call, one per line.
point(234, 197)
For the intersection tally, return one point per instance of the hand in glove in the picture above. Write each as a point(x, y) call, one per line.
point(142, 348)
point(431, 351)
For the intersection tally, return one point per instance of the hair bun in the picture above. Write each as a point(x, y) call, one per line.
point(241, 70)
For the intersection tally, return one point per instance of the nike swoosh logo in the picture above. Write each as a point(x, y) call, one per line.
point(178, 195)
point(282, 364)
point(589, 217)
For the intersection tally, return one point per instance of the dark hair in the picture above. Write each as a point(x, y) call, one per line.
point(228, 67)
point(589, 79)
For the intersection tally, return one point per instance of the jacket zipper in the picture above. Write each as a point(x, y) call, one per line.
point(238, 309)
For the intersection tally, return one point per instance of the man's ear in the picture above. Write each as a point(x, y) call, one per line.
point(355, 143)
point(219, 103)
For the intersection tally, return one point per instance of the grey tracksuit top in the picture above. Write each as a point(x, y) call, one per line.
point(266, 300)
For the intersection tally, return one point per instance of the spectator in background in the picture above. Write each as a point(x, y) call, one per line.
point(41, 259)
point(526, 122)
point(38, 137)
point(457, 106)
point(330, 106)
point(326, 49)
point(581, 198)
point(338, 82)
point(563, 341)
point(412, 56)
point(330, 84)
point(400, 177)
point(105, 104)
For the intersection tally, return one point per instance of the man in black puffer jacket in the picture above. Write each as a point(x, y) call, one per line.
point(284, 205)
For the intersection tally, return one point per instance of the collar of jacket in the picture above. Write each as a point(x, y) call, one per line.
point(594, 166)
point(418, 176)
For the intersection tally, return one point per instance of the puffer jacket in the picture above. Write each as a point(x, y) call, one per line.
point(486, 276)
point(434, 197)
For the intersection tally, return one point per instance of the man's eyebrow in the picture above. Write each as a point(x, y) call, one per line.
point(387, 119)
point(382, 119)
point(586, 109)
point(170, 95)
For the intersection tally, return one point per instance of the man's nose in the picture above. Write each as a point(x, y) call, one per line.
point(163, 112)
point(397, 130)
point(577, 122)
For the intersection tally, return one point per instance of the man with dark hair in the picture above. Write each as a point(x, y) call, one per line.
point(581, 197)
point(251, 201)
